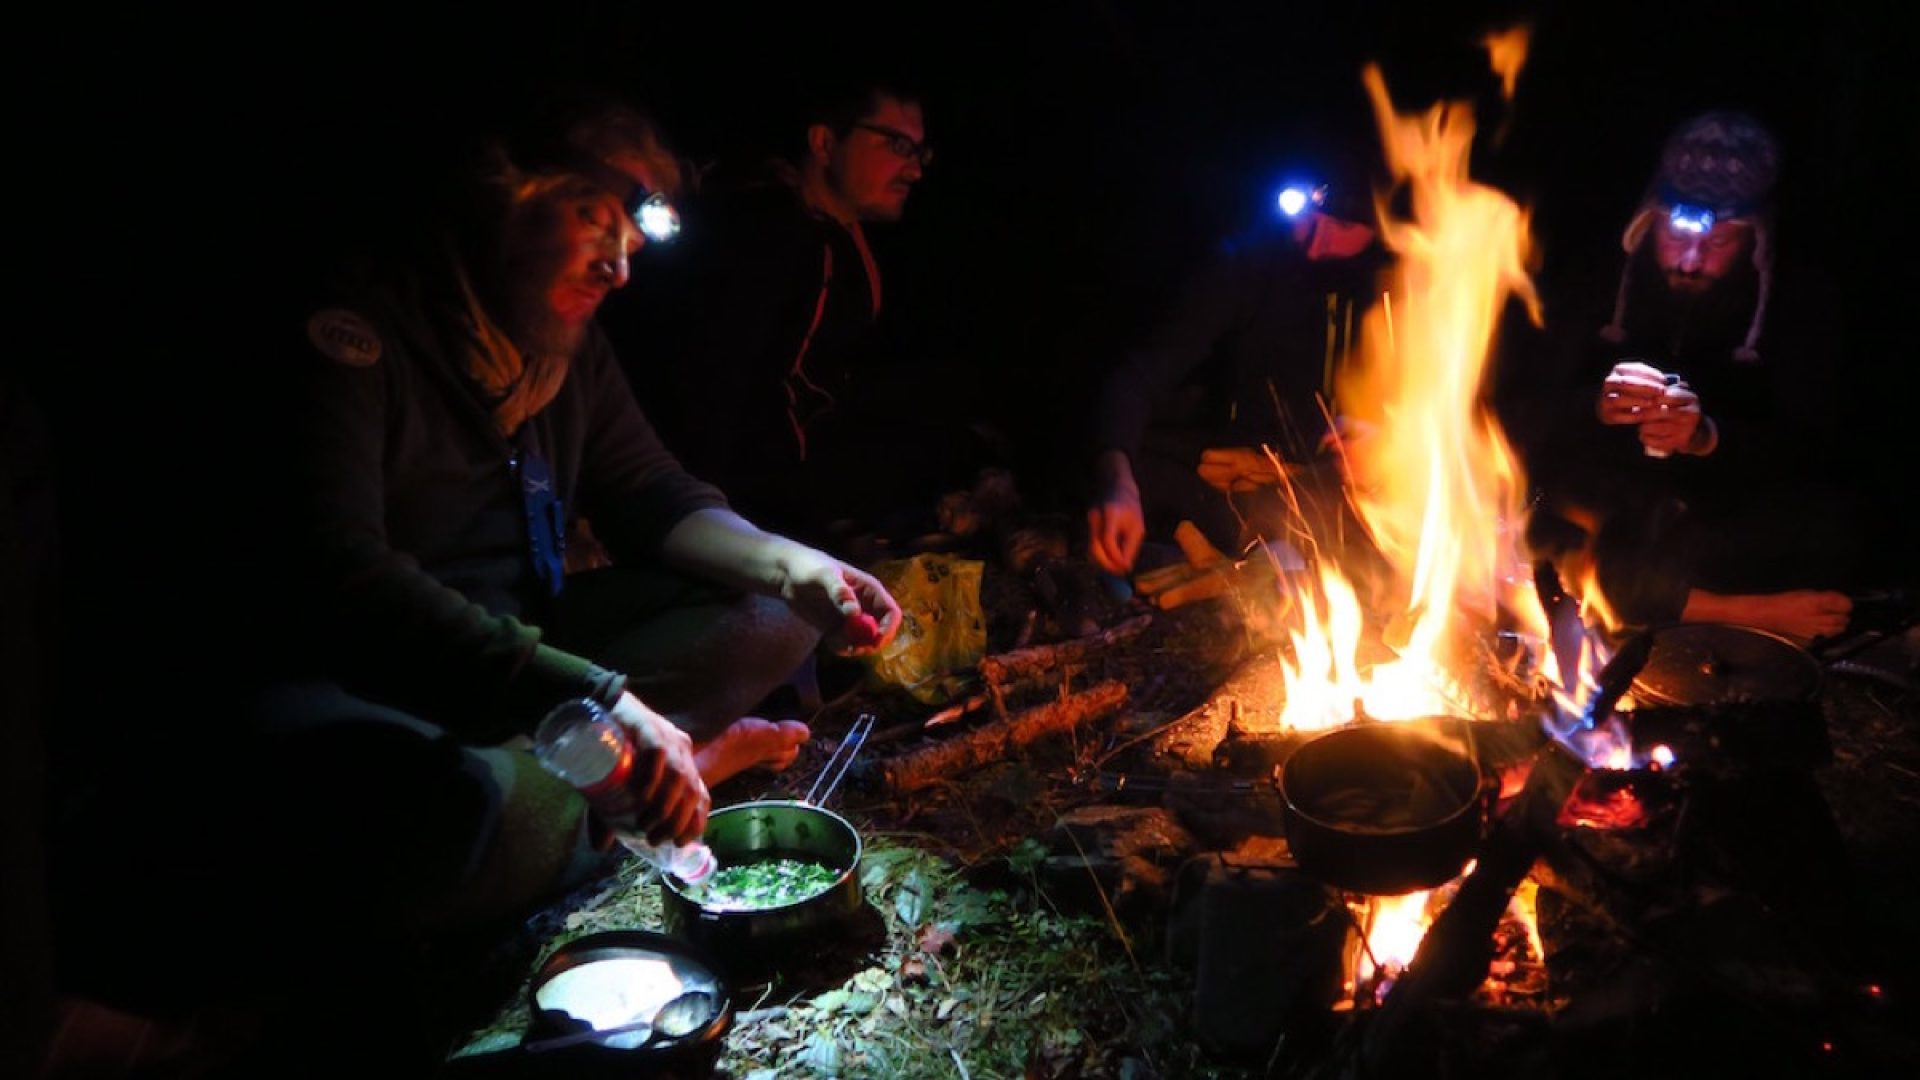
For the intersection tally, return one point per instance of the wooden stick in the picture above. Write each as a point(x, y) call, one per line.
point(954, 712)
point(994, 742)
point(1207, 586)
point(1148, 582)
point(1010, 667)
point(1194, 544)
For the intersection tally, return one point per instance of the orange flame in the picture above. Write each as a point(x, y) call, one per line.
point(1434, 480)
point(1507, 52)
point(1394, 927)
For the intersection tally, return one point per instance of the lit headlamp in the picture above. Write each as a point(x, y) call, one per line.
point(1688, 218)
point(651, 211)
point(1296, 198)
point(656, 218)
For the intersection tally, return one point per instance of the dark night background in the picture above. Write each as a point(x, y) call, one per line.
point(192, 170)
point(198, 172)
point(1091, 151)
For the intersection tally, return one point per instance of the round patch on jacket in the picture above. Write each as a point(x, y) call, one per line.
point(345, 337)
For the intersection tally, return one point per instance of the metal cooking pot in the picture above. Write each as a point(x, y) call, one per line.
point(1386, 808)
point(770, 829)
point(1716, 664)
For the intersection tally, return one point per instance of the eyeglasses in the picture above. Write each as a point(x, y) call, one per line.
point(901, 144)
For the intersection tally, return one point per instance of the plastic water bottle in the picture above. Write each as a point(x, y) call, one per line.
point(583, 745)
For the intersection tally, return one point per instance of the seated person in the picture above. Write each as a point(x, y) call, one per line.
point(1685, 449)
point(454, 412)
point(1242, 363)
point(765, 359)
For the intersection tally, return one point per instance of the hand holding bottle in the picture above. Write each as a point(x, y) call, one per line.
point(635, 770)
point(669, 800)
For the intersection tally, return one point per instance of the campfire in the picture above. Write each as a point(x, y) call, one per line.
point(1438, 490)
point(1434, 805)
point(1466, 652)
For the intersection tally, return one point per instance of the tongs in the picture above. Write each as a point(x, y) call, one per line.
point(836, 767)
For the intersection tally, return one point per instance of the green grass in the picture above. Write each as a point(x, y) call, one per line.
point(988, 983)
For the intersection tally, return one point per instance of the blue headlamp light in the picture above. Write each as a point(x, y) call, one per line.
point(1689, 218)
point(1295, 199)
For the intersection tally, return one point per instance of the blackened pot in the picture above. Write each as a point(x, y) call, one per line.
point(1386, 808)
point(754, 831)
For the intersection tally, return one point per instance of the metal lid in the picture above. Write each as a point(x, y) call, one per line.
point(1713, 664)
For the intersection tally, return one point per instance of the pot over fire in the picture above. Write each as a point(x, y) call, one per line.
point(1386, 808)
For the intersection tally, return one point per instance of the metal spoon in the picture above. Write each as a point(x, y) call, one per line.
point(679, 1017)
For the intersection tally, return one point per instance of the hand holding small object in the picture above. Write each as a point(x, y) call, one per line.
point(1631, 393)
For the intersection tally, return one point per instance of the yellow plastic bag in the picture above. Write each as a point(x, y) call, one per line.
point(943, 633)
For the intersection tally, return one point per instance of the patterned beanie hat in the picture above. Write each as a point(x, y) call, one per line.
point(1724, 162)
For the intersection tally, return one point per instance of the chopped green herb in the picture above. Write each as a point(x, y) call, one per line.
point(759, 885)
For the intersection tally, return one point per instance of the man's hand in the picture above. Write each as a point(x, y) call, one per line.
point(1238, 468)
point(1674, 424)
point(723, 546)
point(855, 613)
point(1666, 410)
point(1116, 524)
point(1804, 614)
point(670, 801)
point(1631, 393)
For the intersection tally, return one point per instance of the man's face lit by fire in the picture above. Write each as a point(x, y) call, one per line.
point(873, 168)
point(564, 251)
point(1694, 260)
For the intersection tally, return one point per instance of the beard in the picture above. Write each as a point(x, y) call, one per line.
point(526, 311)
point(536, 328)
point(1691, 284)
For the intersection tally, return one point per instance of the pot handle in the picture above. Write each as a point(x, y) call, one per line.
point(836, 767)
point(1488, 790)
point(1617, 677)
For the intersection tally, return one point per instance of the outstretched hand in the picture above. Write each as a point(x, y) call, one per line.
point(1805, 614)
point(855, 613)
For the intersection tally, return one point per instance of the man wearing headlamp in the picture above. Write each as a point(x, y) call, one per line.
point(1237, 365)
point(1708, 491)
point(457, 415)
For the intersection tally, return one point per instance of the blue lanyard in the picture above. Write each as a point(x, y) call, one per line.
point(546, 516)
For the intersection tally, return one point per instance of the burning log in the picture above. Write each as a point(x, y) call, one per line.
point(1454, 955)
point(922, 768)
